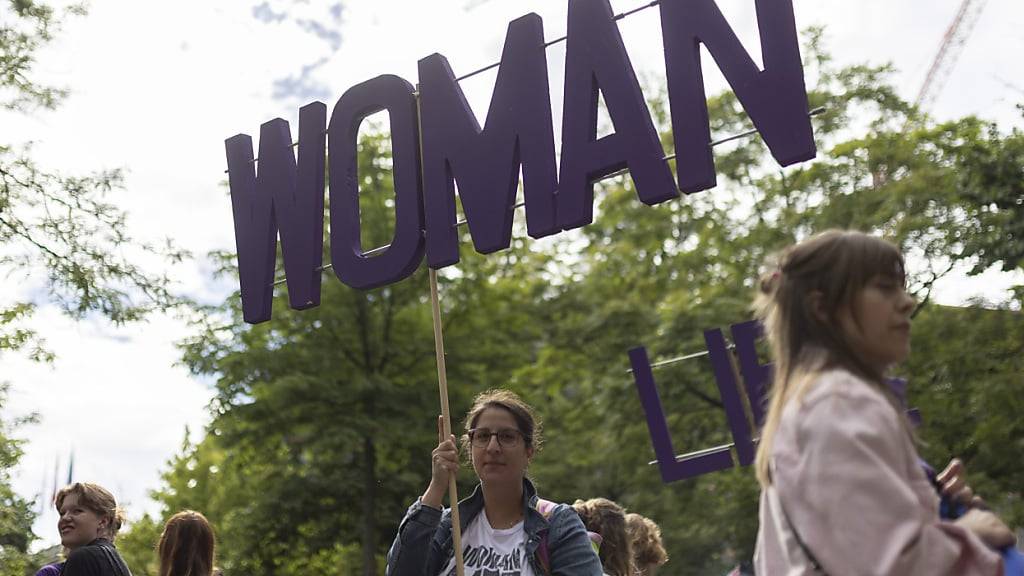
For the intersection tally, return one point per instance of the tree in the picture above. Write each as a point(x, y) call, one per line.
point(138, 546)
point(660, 276)
point(61, 228)
point(57, 226)
point(315, 407)
point(16, 514)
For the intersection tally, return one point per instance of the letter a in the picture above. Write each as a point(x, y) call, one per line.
point(596, 62)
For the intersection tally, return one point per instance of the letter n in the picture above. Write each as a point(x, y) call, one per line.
point(596, 62)
point(279, 197)
point(486, 163)
point(775, 98)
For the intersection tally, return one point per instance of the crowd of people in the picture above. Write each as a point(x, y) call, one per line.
point(843, 490)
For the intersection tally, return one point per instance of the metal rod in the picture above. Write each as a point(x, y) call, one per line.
point(462, 222)
point(699, 453)
point(752, 131)
point(551, 43)
point(255, 160)
point(679, 359)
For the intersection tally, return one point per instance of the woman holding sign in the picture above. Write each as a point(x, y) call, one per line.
point(842, 487)
point(506, 528)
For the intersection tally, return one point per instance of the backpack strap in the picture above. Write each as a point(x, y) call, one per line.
point(546, 509)
point(117, 565)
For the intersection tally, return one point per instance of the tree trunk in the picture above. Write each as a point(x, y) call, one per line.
point(370, 508)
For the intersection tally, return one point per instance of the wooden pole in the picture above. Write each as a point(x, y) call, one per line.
point(442, 380)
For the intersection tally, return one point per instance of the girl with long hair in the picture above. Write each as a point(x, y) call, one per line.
point(186, 546)
point(842, 486)
point(607, 519)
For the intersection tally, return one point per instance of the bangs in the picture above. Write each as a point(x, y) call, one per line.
point(840, 263)
point(879, 258)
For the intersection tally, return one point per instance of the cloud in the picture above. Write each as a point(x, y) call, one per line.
point(264, 13)
point(318, 20)
point(331, 36)
point(302, 87)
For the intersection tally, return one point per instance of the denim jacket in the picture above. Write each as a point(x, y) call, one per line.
point(423, 546)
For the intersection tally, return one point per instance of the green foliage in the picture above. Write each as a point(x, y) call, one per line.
point(323, 419)
point(57, 226)
point(16, 515)
point(965, 378)
point(138, 546)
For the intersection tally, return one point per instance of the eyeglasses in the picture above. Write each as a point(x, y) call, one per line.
point(507, 437)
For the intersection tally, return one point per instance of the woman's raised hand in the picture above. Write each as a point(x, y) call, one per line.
point(444, 461)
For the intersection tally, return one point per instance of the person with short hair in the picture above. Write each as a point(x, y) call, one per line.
point(187, 546)
point(645, 540)
point(607, 520)
point(88, 521)
point(506, 528)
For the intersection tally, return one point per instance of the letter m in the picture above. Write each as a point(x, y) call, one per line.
point(279, 197)
point(775, 98)
point(486, 163)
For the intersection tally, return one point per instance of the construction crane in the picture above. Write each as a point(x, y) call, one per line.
point(949, 51)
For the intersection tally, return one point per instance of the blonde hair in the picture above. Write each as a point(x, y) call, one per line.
point(645, 539)
point(608, 519)
point(186, 546)
point(97, 499)
point(800, 297)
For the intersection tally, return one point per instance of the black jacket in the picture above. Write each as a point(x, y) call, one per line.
point(97, 558)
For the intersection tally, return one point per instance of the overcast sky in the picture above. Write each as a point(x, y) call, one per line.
point(158, 86)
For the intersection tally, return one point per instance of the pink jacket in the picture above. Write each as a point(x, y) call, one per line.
point(853, 487)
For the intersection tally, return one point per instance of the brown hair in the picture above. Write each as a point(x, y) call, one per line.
point(645, 538)
point(97, 499)
point(526, 420)
point(608, 519)
point(822, 274)
point(186, 546)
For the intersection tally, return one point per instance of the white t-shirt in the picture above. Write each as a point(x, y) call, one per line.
point(490, 552)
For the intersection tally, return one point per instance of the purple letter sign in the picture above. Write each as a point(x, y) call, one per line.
point(596, 61)
point(718, 458)
point(775, 98)
point(756, 376)
point(518, 133)
point(279, 197)
point(395, 95)
point(486, 162)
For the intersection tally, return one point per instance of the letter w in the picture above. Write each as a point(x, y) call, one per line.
point(486, 163)
point(280, 197)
